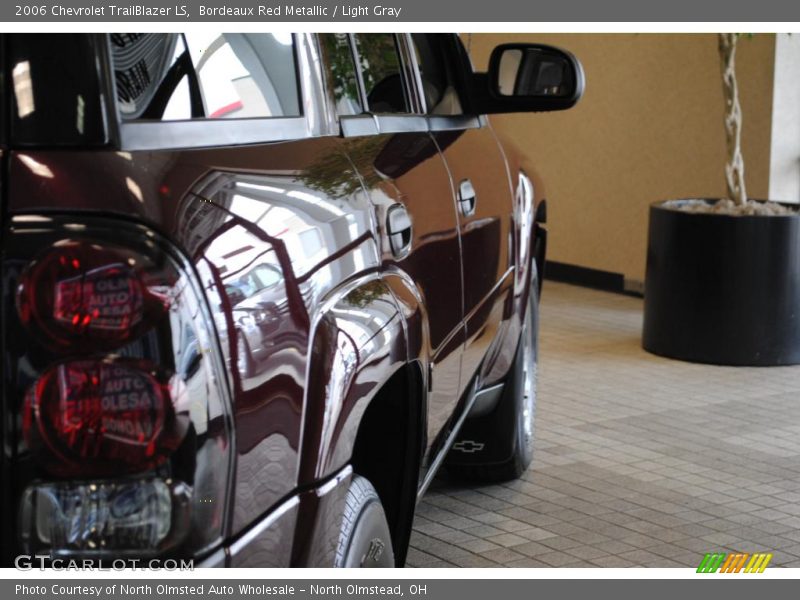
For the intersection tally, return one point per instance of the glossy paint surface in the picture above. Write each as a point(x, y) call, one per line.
point(474, 157)
point(291, 249)
point(312, 310)
point(407, 169)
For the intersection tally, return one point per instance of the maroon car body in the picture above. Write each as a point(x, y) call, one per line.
point(360, 349)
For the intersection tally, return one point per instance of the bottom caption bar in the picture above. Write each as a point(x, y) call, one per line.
point(430, 589)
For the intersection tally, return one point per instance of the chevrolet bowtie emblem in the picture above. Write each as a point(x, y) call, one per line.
point(468, 446)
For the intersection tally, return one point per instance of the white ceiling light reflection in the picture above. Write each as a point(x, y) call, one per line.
point(307, 197)
point(36, 167)
point(260, 188)
point(23, 88)
point(134, 189)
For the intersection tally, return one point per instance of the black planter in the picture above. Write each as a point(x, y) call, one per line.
point(723, 289)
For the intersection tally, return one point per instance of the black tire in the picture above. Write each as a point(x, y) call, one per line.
point(364, 540)
point(505, 436)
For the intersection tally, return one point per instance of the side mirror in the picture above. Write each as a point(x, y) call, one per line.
point(531, 78)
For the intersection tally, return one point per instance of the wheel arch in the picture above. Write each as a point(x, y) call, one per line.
point(367, 387)
point(388, 448)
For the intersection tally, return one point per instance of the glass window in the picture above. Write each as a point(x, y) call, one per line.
point(149, 69)
point(381, 72)
point(337, 56)
point(437, 71)
point(205, 75)
point(266, 276)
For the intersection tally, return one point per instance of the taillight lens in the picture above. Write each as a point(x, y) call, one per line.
point(134, 517)
point(100, 418)
point(79, 295)
point(119, 391)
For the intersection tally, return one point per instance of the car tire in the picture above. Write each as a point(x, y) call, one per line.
point(364, 539)
point(244, 360)
point(506, 434)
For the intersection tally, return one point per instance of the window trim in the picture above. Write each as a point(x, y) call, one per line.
point(173, 135)
point(205, 132)
point(367, 124)
point(411, 73)
point(362, 88)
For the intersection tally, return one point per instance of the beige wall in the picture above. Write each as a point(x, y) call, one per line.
point(649, 128)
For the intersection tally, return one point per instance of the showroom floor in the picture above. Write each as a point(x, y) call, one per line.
point(639, 460)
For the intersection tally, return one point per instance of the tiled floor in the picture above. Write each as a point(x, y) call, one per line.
point(639, 460)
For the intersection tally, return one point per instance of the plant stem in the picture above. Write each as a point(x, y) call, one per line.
point(734, 168)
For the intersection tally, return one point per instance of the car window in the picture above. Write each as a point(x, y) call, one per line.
point(265, 276)
point(436, 69)
point(340, 70)
point(259, 278)
point(208, 75)
point(381, 72)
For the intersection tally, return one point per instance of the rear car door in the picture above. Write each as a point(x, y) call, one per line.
point(408, 183)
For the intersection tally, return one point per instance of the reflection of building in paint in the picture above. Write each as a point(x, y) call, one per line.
point(311, 225)
point(276, 247)
point(267, 248)
point(361, 324)
point(198, 217)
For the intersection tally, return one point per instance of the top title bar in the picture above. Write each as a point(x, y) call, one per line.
point(402, 11)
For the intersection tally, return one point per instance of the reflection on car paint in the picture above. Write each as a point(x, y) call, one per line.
point(270, 249)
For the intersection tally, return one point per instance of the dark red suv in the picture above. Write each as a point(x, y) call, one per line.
point(258, 288)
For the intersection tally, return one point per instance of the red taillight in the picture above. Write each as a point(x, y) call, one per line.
point(100, 418)
point(78, 295)
point(124, 416)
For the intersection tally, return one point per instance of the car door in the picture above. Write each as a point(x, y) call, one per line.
point(406, 178)
point(477, 168)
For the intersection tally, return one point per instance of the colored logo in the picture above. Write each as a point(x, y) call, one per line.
point(738, 562)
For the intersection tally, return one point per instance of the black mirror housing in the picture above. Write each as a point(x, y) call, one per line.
point(529, 78)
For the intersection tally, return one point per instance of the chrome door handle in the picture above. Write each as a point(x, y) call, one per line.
point(398, 227)
point(466, 198)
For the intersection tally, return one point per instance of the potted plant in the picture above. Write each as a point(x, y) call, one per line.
point(723, 275)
